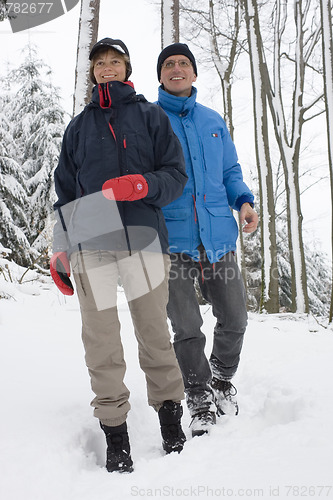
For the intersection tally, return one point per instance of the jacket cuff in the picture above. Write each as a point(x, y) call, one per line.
point(152, 186)
point(245, 198)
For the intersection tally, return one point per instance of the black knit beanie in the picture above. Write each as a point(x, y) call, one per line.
point(172, 50)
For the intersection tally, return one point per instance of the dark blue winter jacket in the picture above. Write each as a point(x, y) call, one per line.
point(118, 133)
point(215, 182)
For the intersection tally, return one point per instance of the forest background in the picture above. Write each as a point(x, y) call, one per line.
point(36, 102)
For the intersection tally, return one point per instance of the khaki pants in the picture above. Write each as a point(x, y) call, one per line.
point(144, 276)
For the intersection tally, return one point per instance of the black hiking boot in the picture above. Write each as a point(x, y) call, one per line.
point(224, 397)
point(118, 453)
point(201, 422)
point(170, 415)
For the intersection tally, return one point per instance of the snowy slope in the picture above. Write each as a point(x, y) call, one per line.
point(51, 447)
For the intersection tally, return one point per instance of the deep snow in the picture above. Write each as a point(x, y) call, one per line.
point(280, 445)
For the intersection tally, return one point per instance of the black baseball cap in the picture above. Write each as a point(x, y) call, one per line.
point(108, 43)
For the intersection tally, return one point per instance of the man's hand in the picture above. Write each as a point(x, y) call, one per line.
point(126, 188)
point(60, 272)
point(249, 217)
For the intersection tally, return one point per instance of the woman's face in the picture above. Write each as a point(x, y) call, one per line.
point(109, 66)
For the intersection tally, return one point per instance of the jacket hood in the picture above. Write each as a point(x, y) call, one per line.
point(175, 104)
point(112, 94)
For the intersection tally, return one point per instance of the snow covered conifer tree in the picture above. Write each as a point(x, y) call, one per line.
point(38, 125)
point(43, 149)
point(13, 197)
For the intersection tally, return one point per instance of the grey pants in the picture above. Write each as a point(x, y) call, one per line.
point(144, 276)
point(222, 286)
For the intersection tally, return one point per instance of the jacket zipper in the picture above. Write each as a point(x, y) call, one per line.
point(120, 148)
point(105, 102)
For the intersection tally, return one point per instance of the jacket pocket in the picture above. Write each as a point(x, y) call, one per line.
point(178, 224)
point(220, 211)
point(138, 153)
point(223, 226)
point(212, 147)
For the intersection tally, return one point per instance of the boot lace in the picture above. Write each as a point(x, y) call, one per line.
point(224, 386)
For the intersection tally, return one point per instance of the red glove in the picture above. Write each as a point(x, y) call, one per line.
point(126, 188)
point(60, 272)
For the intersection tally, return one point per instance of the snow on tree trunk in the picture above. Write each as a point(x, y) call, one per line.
point(270, 294)
point(295, 205)
point(327, 42)
point(169, 22)
point(3, 10)
point(289, 136)
point(87, 37)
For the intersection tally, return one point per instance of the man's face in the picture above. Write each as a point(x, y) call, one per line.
point(109, 66)
point(177, 75)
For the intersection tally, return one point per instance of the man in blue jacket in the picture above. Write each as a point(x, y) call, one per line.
point(202, 237)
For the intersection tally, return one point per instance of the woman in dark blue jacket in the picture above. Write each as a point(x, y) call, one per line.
point(120, 163)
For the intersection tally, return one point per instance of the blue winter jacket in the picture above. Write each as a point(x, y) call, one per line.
point(215, 182)
point(118, 133)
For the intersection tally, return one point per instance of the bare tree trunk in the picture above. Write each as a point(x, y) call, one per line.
point(269, 271)
point(295, 218)
point(289, 138)
point(225, 65)
point(3, 10)
point(169, 22)
point(327, 42)
point(88, 32)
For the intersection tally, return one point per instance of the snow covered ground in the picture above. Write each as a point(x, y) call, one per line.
point(51, 447)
